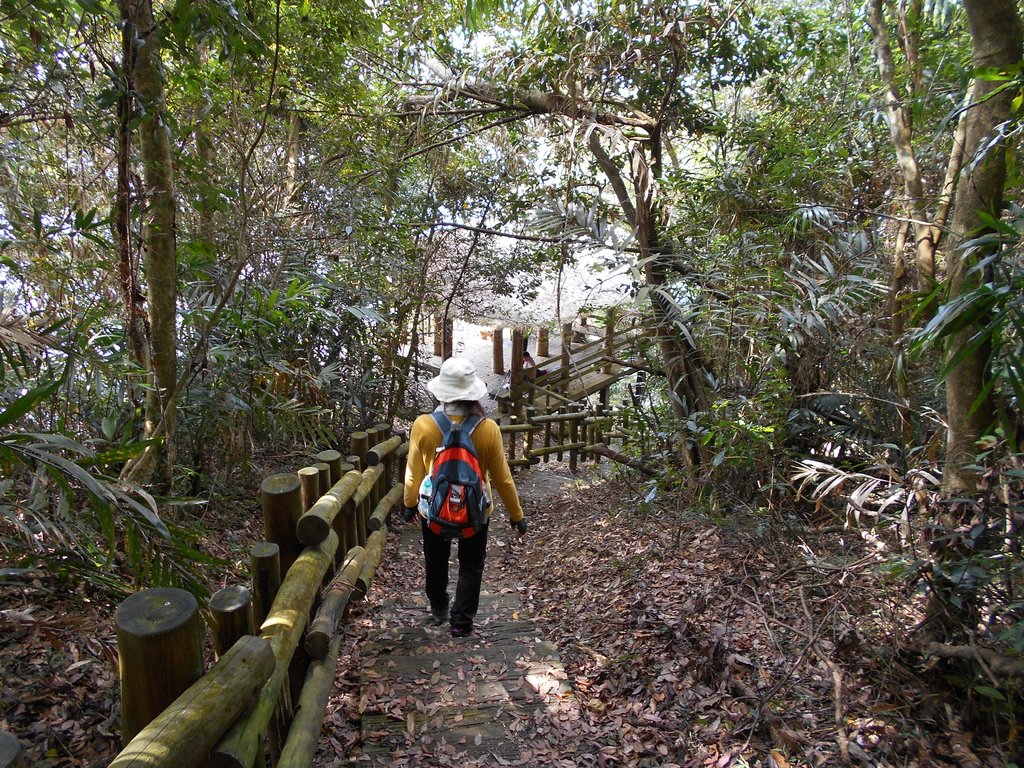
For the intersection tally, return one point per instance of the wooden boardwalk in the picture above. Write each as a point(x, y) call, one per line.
point(426, 694)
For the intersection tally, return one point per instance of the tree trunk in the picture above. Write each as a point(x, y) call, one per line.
point(159, 233)
point(683, 364)
point(901, 131)
point(996, 42)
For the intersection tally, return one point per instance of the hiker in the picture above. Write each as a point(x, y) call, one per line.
point(459, 391)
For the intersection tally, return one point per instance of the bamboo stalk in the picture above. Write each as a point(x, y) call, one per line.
point(160, 653)
point(314, 526)
point(184, 733)
point(324, 626)
point(392, 499)
point(283, 628)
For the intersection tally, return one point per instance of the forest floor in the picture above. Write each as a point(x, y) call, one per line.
point(687, 641)
point(691, 642)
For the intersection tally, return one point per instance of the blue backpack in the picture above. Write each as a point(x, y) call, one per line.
point(453, 496)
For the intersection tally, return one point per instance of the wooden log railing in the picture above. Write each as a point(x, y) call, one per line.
point(570, 430)
point(263, 701)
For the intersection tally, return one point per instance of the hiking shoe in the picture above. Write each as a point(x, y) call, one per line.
point(439, 617)
point(461, 632)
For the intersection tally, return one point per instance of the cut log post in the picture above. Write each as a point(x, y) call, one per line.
point(283, 628)
point(547, 441)
point(516, 376)
point(355, 462)
point(498, 351)
point(621, 458)
point(304, 735)
point(362, 499)
point(574, 438)
point(185, 732)
point(315, 525)
point(374, 435)
point(12, 753)
point(609, 339)
point(374, 550)
point(265, 571)
point(391, 499)
point(323, 628)
point(160, 653)
point(333, 460)
point(309, 486)
point(529, 412)
point(323, 472)
point(543, 340)
point(448, 338)
point(231, 617)
point(400, 455)
point(282, 508)
point(566, 352)
point(359, 444)
point(350, 524)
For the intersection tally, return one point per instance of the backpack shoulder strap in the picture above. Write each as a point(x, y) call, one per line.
point(442, 421)
point(471, 422)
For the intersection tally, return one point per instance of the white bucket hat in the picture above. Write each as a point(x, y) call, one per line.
point(457, 381)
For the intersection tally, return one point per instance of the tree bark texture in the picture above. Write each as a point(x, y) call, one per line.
point(996, 38)
point(902, 134)
point(159, 233)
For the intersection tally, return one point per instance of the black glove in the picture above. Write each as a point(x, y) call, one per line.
point(519, 525)
point(409, 514)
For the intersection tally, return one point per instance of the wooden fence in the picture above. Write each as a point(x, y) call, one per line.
point(276, 639)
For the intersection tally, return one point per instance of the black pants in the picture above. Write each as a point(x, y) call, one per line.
point(472, 553)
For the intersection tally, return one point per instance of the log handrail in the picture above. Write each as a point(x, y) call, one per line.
point(243, 705)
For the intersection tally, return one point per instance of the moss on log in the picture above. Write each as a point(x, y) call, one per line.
point(376, 455)
point(304, 735)
point(374, 550)
point(265, 571)
point(283, 628)
point(365, 490)
point(333, 460)
point(323, 627)
point(183, 734)
point(392, 499)
point(314, 526)
point(281, 499)
point(160, 653)
point(231, 617)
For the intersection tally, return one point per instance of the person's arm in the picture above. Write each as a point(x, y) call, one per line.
point(415, 466)
point(491, 451)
